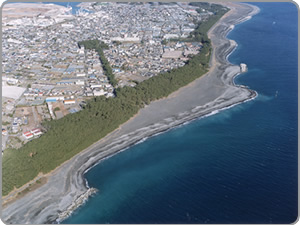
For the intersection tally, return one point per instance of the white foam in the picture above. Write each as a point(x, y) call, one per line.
point(188, 121)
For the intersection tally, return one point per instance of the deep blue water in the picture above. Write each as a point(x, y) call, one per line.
point(238, 166)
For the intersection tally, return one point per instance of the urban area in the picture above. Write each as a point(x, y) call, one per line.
point(46, 74)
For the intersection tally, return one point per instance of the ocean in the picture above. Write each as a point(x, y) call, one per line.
point(74, 6)
point(237, 166)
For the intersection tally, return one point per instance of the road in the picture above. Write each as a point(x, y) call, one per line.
point(36, 121)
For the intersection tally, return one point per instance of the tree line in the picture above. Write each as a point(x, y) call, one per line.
point(71, 134)
point(98, 46)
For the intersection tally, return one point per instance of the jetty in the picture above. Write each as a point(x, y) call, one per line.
point(243, 67)
point(76, 204)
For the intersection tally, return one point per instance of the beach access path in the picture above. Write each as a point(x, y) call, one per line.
point(206, 95)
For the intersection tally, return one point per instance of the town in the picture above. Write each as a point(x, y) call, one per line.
point(46, 74)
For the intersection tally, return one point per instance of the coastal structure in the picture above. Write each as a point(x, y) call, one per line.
point(216, 90)
point(243, 67)
point(77, 203)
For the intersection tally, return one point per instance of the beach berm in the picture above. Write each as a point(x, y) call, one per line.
point(212, 92)
point(67, 136)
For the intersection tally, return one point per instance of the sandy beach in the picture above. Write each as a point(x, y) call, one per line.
point(207, 95)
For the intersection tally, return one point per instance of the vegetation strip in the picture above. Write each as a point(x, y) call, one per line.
point(68, 136)
point(99, 46)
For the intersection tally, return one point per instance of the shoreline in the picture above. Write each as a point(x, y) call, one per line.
point(180, 123)
point(67, 182)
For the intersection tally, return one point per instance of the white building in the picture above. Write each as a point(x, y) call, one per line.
point(96, 85)
point(79, 82)
point(36, 132)
point(99, 92)
point(70, 101)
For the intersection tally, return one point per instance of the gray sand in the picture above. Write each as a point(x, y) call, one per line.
point(208, 94)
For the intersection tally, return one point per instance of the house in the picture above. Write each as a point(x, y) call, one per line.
point(54, 99)
point(186, 53)
point(89, 93)
point(172, 54)
point(27, 135)
point(99, 92)
point(51, 99)
point(79, 82)
point(96, 85)
point(36, 132)
point(4, 132)
point(65, 82)
point(70, 101)
point(30, 98)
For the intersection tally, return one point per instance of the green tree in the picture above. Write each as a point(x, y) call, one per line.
point(100, 117)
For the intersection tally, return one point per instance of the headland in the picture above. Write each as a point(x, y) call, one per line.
point(207, 95)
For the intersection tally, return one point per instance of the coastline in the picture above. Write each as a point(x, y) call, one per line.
point(66, 183)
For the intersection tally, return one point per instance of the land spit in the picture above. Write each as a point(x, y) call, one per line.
point(205, 96)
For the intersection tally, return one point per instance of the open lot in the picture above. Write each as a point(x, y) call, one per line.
point(59, 109)
point(12, 91)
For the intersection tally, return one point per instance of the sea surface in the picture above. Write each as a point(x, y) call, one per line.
point(74, 6)
point(237, 166)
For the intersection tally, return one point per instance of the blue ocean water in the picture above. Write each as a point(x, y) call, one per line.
point(238, 166)
point(66, 4)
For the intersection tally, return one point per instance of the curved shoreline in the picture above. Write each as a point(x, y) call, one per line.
point(66, 183)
